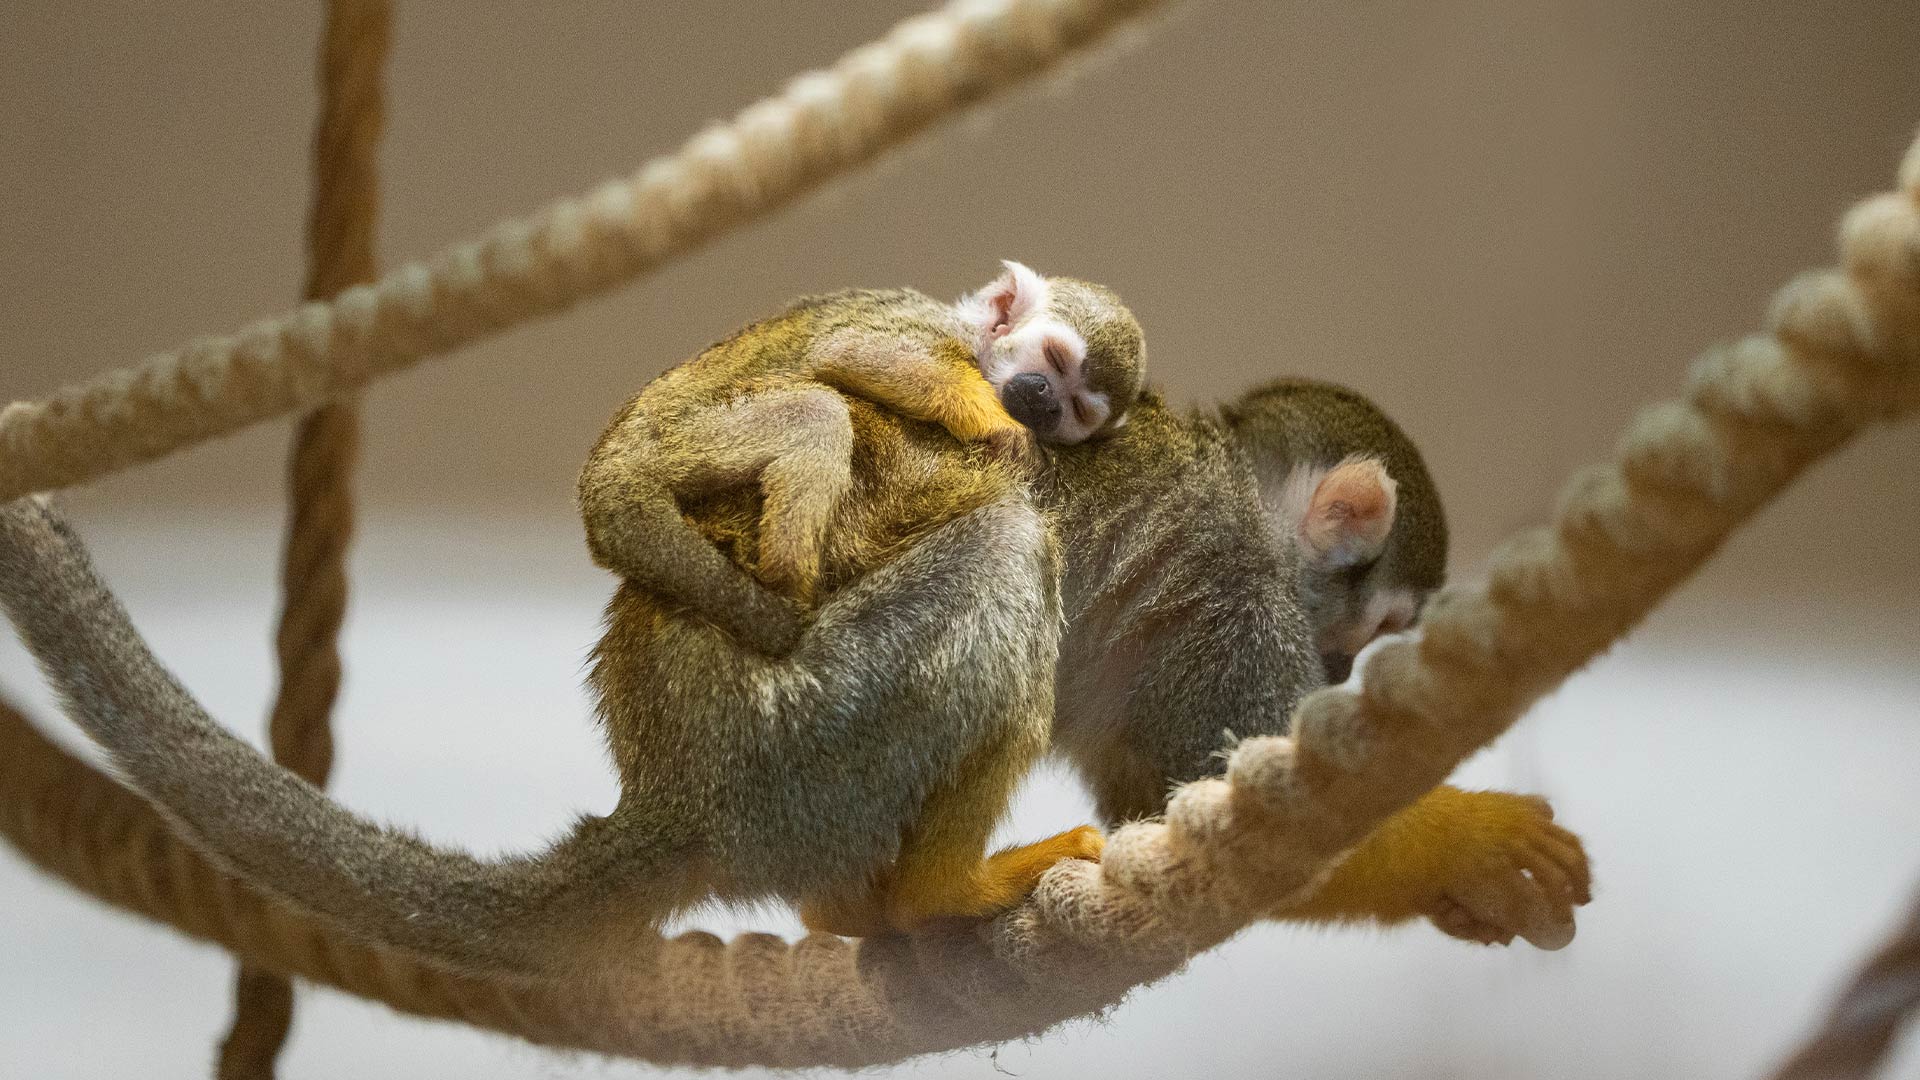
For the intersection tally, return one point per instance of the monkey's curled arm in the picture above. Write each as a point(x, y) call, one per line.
point(796, 443)
point(931, 378)
point(1485, 866)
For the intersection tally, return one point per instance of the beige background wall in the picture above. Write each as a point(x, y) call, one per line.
point(1510, 222)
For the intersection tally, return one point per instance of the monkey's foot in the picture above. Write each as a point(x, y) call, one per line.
point(991, 886)
point(1515, 874)
point(1017, 870)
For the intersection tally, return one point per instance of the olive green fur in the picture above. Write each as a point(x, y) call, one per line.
point(1116, 360)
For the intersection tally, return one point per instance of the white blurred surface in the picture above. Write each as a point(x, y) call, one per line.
point(1749, 798)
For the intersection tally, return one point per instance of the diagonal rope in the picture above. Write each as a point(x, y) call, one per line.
point(1842, 352)
point(313, 579)
point(822, 124)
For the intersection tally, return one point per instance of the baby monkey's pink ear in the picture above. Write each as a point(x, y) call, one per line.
point(1350, 514)
point(1015, 294)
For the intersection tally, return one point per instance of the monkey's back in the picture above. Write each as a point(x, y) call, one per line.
point(765, 775)
point(907, 476)
point(776, 351)
point(1184, 628)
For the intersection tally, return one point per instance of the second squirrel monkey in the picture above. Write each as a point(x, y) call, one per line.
point(1025, 357)
point(1222, 565)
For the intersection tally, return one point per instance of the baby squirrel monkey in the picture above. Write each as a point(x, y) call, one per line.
point(1025, 357)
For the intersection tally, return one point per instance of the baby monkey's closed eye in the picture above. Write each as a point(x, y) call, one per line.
point(1065, 357)
point(1056, 354)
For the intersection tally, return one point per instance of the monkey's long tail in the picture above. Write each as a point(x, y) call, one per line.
point(521, 914)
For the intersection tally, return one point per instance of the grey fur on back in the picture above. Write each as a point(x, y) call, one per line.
point(1183, 633)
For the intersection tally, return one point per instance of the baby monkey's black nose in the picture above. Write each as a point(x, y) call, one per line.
point(1029, 399)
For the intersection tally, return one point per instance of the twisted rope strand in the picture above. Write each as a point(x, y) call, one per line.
point(313, 577)
point(1842, 351)
point(824, 123)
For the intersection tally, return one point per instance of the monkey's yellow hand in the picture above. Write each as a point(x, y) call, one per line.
point(937, 884)
point(1512, 872)
point(1487, 866)
point(1014, 445)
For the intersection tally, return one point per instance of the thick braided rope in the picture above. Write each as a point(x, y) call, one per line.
point(823, 124)
point(313, 576)
point(1882, 997)
point(1843, 351)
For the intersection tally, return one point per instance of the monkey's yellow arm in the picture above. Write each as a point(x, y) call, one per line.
point(941, 387)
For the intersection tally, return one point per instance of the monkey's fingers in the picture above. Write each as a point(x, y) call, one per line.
point(1521, 875)
point(988, 887)
point(1562, 850)
point(1509, 899)
point(1455, 920)
point(1014, 445)
point(1549, 875)
point(1016, 870)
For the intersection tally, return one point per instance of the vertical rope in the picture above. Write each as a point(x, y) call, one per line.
point(313, 577)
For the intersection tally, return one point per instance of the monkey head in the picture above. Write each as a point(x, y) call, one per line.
point(1348, 491)
point(1341, 518)
point(1065, 356)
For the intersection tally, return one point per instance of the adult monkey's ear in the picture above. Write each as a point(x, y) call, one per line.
point(1345, 517)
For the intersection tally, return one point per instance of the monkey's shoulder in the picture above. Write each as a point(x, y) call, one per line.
point(785, 344)
point(1157, 449)
point(1166, 478)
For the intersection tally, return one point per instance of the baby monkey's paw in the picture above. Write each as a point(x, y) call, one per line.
point(1516, 873)
point(1013, 444)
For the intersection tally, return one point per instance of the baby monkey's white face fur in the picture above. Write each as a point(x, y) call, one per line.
point(1065, 356)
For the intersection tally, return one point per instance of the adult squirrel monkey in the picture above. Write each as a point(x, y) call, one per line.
point(1024, 357)
point(1219, 566)
point(861, 775)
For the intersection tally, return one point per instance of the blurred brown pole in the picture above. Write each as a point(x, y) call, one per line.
point(1871, 1012)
